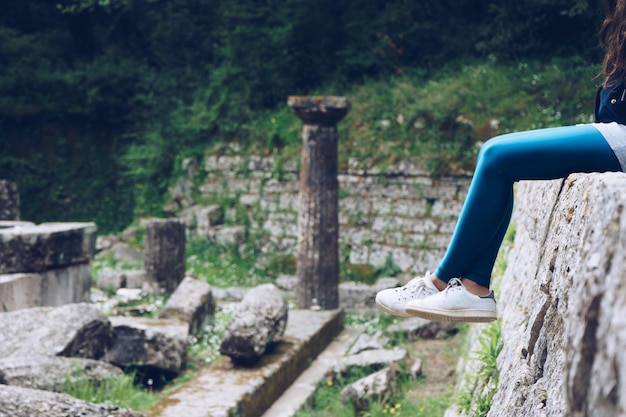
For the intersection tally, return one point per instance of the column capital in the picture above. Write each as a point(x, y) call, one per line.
point(319, 110)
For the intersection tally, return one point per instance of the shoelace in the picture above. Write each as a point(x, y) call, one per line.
point(416, 284)
point(454, 284)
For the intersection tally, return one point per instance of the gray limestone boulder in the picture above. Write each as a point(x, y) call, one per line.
point(26, 402)
point(416, 328)
point(366, 341)
point(73, 330)
point(376, 385)
point(152, 345)
point(192, 303)
point(373, 358)
point(50, 373)
point(259, 320)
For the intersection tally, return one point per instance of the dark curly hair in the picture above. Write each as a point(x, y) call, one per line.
point(613, 39)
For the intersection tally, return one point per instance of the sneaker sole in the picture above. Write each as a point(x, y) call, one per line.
point(392, 312)
point(468, 316)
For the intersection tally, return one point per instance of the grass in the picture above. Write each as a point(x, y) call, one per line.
point(413, 397)
point(120, 391)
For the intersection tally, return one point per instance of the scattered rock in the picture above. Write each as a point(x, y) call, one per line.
point(50, 373)
point(368, 342)
point(227, 235)
point(287, 282)
point(415, 328)
point(376, 385)
point(415, 368)
point(229, 294)
point(74, 330)
point(26, 402)
point(164, 253)
point(375, 358)
point(191, 303)
point(259, 321)
point(152, 345)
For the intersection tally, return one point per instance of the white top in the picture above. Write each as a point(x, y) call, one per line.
point(615, 135)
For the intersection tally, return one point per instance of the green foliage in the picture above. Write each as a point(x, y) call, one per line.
point(205, 348)
point(129, 88)
point(232, 265)
point(120, 391)
point(478, 389)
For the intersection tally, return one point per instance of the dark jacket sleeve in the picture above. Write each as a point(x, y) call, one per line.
point(611, 104)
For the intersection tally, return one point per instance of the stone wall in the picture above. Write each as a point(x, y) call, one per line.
point(396, 211)
point(563, 301)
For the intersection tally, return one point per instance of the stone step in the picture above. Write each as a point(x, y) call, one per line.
point(303, 388)
point(223, 390)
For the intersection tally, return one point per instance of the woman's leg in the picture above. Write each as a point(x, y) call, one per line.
point(534, 155)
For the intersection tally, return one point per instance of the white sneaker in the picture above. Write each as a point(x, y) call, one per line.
point(393, 300)
point(454, 303)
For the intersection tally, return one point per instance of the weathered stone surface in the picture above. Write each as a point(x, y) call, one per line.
point(227, 235)
point(9, 201)
point(46, 246)
point(19, 291)
point(208, 217)
point(54, 287)
point(6, 224)
point(223, 389)
point(112, 280)
point(286, 282)
point(67, 285)
point(416, 214)
point(563, 301)
point(260, 320)
point(164, 253)
point(50, 373)
point(415, 367)
point(356, 295)
point(416, 328)
point(230, 293)
point(74, 330)
point(368, 342)
point(376, 385)
point(191, 303)
point(325, 111)
point(26, 402)
point(373, 357)
point(149, 344)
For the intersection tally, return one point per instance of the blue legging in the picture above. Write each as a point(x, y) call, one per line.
point(534, 155)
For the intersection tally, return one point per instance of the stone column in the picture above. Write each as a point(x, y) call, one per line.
point(164, 253)
point(9, 201)
point(318, 223)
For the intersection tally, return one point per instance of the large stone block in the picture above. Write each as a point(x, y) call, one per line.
point(258, 322)
point(46, 246)
point(66, 285)
point(73, 330)
point(191, 303)
point(19, 291)
point(54, 287)
point(164, 253)
point(149, 344)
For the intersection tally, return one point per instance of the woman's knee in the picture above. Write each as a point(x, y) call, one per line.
point(492, 152)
